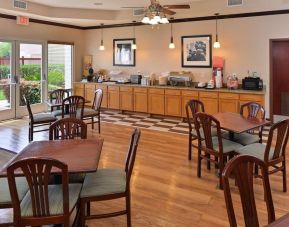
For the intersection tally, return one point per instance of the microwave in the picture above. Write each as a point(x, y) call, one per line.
point(252, 83)
point(135, 79)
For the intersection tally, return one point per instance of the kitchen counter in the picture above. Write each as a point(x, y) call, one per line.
point(237, 91)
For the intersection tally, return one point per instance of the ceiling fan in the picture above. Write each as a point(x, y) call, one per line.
point(156, 8)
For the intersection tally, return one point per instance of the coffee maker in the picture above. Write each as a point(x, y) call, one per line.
point(218, 70)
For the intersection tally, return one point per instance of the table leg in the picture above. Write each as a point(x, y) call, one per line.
point(57, 180)
point(231, 136)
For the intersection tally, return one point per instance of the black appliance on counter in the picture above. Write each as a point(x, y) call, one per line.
point(135, 79)
point(252, 83)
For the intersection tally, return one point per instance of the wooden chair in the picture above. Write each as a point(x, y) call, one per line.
point(73, 106)
point(57, 96)
point(274, 157)
point(107, 184)
point(37, 120)
point(94, 111)
point(241, 167)
point(44, 204)
point(212, 145)
point(67, 128)
point(254, 110)
point(192, 107)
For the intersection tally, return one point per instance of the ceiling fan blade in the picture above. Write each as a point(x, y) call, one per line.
point(168, 12)
point(132, 7)
point(177, 6)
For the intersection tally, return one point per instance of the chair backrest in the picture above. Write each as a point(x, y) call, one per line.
point(131, 154)
point(98, 94)
point(253, 109)
point(205, 123)
point(281, 129)
point(28, 107)
point(74, 105)
point(242, 168)
point(67, 128)
point(58, 95)
point(192, 107)
point(37, 172)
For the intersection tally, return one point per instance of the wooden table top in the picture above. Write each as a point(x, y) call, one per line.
point(235, 122)
point(81, 156)
point(53, 103)
point(281, 222)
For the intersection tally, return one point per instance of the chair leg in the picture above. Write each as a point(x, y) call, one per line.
point(190, 148)
point(284, 177)
point(82, 214)
point(92, 123)
point(128, 210)
point(256, 170)
point(216, 164)
point(31, 132)
point(199, 163)
point(99, 123)
point(221, 167)
point(208, 162)
point(88, 208)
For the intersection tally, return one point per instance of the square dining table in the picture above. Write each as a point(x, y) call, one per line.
point(81, 156)
point(236, 123)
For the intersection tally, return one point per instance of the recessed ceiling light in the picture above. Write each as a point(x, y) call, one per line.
point(98, 3)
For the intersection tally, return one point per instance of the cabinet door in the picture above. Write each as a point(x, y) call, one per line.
point(157, 104)
point(126, 101)
point(78, 89)
point(211, 105)
point(89, 93)
point(229, 105)
point(113, 97)
point(173, 105)
point(140, 102)
point(104, 100)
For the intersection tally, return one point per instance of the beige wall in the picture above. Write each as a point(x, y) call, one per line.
point(245, 46)
point(38, 32)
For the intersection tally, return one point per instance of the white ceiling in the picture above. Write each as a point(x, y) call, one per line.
point(106, 4)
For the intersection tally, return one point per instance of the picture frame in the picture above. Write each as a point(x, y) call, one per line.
point(197, 51)
point(123, 54)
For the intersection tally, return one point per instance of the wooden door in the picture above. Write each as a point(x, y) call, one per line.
point(156, 101)
point(113, 97)
point(140, 98)
point(228, 102)
point(279, 78)
point(126, 98)
point(173, 102)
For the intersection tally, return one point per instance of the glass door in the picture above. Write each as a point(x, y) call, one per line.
point(30, 79)
point(7, 83)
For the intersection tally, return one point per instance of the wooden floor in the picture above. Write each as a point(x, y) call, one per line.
point(165, 188)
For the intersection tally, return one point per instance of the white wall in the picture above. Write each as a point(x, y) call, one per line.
point(244, 45)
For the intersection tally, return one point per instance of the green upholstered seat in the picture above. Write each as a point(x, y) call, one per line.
point(244, 138)
point(43, 117)
point(55, 199)
point(228, 145)
point(256, 149)
point(76, 178)
point(104, 182)
point(56, 113)
point(22, 187)
point(89, 112)
point(213, 132)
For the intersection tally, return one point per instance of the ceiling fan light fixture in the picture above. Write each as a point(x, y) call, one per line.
point(164, 20)
point(146, 20)
point(157, 18)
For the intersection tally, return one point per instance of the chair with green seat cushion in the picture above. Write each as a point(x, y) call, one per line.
point(43, 204)
point(251, 110)
point(57, 97)
point(94, 111)
point(273, 155)
point(5, 198)
point(107, 184)
point(216, 146)
point(72, 107)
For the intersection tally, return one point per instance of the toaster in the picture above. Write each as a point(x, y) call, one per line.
point(135, 79)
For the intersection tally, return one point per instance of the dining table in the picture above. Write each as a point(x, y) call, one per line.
point(237, 123)
point(280, 222)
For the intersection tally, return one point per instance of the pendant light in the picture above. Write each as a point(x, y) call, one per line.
point(217, 43)
point(134, 41)
point(101, 47)
point(172, 45)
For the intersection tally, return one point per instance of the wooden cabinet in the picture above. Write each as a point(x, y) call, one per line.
point(210, 100)
point(113, 97)
point(104, 90)
point(228, 102)
point(78, 89)
point(186, 96)
point(156, 101)
point(173, 103)
point(140, 99)
point(126, 98)
point(89, 93)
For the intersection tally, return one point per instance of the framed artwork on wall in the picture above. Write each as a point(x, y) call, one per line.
point(123, 54)
point(87, 64)
point(197, 51)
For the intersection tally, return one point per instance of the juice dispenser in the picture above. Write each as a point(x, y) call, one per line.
point(218, 69)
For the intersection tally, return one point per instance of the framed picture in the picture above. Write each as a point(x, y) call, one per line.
point(87, 64)
point(197, 51)
point(123, 54)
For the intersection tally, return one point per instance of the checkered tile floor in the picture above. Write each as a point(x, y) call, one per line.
point(155, 123)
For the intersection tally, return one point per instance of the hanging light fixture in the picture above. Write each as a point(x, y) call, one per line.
point(134, 41)
point(101, 47)
point(217, 43)
point(172, 45)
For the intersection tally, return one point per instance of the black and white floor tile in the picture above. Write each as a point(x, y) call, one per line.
point(165, 124)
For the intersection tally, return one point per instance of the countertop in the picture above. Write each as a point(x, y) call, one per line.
point(238, 91)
